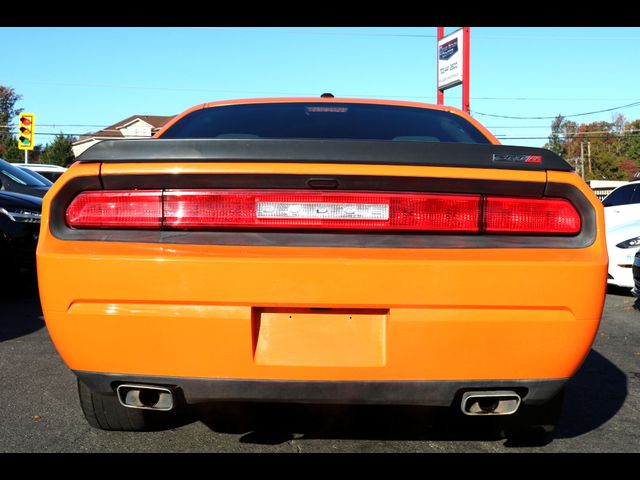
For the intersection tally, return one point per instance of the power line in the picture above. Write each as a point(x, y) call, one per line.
point(345, 32)
point(634, 104)
point(307, 94)
point(54, 125)
point(501, 137)
point(517, 126)
point(318, 32)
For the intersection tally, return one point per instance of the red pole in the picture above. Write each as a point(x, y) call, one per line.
point(465, 69)
point(440, 92)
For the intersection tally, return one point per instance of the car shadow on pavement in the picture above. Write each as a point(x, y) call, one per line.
point(623, 292)
point(274, 423)
point(20, 311)
point(593, 397)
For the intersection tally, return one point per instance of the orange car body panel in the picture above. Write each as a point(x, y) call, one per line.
point(250, 312)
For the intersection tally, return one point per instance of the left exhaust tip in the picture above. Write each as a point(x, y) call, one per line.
point(146, 397)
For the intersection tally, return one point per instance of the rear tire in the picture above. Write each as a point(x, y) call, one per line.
point(105, 412)
point(533, 423)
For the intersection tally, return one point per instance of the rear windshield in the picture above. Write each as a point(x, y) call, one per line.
point(348, 121)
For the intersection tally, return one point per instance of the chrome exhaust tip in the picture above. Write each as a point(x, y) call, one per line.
point(146, 397)
point(499, 402)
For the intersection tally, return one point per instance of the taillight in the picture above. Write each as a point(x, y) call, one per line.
point(116, 209)
point(320, 210)
point(529, 215)
point(328, 210)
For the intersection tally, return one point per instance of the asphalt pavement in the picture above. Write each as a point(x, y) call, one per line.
point(40, 412)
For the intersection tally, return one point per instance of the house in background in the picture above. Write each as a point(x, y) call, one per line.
point(136, 126)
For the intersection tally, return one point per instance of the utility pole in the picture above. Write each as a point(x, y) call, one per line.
point(466, 69)
point(440, 92)
point(582, 158)
point(589, 155)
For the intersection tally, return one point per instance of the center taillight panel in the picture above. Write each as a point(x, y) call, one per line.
point(203, 209)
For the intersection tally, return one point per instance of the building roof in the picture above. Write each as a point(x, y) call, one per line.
point(114, 131)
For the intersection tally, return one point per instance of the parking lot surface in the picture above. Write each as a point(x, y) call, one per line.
point(41, 412)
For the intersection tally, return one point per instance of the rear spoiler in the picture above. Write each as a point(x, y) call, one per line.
point(326, 151)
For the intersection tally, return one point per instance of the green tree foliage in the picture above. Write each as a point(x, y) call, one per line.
point(614, 147)
point(556, 141)
point(561, 129)
point(8, 110)
point(8, 122)
point(631, 140)
point(9, 149)
point(59, 151)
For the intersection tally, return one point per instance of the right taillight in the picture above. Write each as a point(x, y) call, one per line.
point(530, 215)
point(321, 210)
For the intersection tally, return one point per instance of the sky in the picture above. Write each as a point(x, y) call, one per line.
point(81, 79)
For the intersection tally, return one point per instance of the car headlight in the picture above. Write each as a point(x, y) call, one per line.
point(21, 215)
point(631, 243)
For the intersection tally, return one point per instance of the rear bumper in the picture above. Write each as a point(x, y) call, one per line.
point(229, 312)
point(425, 393)
point(254, 343)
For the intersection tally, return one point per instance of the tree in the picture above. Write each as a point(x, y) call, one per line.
point(556, 143)
point(9, 149)
point(562, 130)
point(59, 151)
point(8, 110)
point(630, 168)
point(614, 146)
point(631, 140)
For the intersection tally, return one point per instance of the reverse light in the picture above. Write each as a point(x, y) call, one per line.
point(321, 210)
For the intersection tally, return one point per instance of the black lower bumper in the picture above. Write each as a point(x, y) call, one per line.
point(427, 393)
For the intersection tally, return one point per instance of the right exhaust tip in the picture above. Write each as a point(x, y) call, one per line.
point(494, 402)
point(146, 397)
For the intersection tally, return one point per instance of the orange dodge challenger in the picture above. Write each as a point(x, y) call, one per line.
point(321, 250)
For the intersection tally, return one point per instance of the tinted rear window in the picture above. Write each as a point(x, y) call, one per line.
point(622, 196)
point(326, 121)
point(14, 175)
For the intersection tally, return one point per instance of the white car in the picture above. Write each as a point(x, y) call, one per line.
point(623, 241)
point(52, 172)
point(622, 205)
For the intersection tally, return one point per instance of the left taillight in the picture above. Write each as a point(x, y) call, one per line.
point(116, 209)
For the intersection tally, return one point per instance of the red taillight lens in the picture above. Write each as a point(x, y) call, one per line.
point(323, 210)
point(297, 209)
point(116, 209)
point(528, 215)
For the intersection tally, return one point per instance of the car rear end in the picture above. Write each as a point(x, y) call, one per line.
point(19, 230)
point(177, 272)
